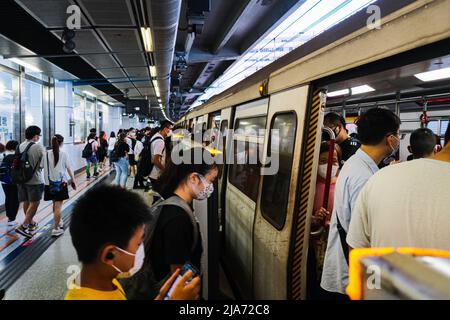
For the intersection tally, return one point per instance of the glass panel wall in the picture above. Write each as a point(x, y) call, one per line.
point(78, 117)
point(32, 103)
point(9, 102)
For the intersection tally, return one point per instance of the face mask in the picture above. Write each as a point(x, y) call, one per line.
point(139, 257)
point(207, 191)
point(394, 150)
point(323, 170)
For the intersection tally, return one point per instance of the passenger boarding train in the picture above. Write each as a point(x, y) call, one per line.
point(265, 220)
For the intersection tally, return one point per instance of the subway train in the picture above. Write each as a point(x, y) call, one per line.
point(265, 219)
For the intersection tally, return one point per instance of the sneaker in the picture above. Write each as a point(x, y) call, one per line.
point(57, 232)
point(12, 223)
point(88, 177)
point(33, 226)
point(96, 175)
point(61, 224)
point(24, 231)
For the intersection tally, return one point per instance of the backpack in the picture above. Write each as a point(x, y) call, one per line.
point(21, 169)
point(143, 285)
point(115, 153)
point(87, 151)
point(145, 165)
point(5, 169)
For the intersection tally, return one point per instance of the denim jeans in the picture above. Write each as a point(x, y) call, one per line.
point(121, 172)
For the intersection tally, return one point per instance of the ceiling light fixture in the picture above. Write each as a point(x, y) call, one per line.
point(434, 75)
point(89, 93)
point(26, 65)
point(338, 93)
point(155, 85)
point(362, 89)
point(147, 37)
point(153, 71)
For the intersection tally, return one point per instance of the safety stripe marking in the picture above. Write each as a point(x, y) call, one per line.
point(296, 286)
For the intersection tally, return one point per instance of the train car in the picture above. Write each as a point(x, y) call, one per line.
point(265, 220)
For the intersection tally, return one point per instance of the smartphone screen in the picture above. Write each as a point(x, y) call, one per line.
point(185, 269)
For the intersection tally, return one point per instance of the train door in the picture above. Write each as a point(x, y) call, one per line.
point(275, 210)
point(242, 192)
point(225, 120)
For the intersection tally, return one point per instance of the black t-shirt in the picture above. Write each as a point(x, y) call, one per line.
point(349, 148)
point(172, 241)
point(121, 148)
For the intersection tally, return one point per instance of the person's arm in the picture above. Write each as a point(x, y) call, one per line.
point(157, 161)
point(157, 157)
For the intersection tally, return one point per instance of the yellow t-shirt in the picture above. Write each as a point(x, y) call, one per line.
point(83, 293)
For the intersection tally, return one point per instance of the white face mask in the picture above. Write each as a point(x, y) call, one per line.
point(139, 257)
point(207, 191)
point(323, 170)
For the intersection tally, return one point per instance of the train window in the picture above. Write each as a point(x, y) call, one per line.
point(245, 171)
point(275, 191)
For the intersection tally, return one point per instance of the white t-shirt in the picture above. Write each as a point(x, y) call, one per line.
point(405, 205)
point(158, 148)
point(59, 172)
point(111, 143)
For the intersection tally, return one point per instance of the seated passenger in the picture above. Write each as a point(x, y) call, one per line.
point(107, 230)
point(422, 143)
point(176, 239)
point(405, 206)
point(378, 131)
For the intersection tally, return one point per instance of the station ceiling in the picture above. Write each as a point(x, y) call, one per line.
point(206, 37)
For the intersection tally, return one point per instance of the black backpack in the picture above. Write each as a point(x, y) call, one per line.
point(145, 165)
point(143, 285)
point(5, 169)
point(87, 151)
point(21, 169)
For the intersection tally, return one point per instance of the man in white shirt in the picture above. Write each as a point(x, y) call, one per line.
point(378, 132)
point(158, 150)
point(405, 206)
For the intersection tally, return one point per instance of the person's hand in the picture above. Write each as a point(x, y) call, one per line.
point(181, 291)
point(73, 185)
point(322, 214)
point(394, 162)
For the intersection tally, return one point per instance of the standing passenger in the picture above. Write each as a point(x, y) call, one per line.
point(56, 189)
point(30, 192)
point(413, 211)
point(378, 131)
point(348, 145)
point(121, 150)
point(111, 142)
point(159, 150)
point(102, 152)
point(422, 143)
point(91, 156)
point(9, 188)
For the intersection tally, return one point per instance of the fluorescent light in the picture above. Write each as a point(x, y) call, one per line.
point(153, 71)
point(25, 64)
point(137, 108)
point(159, 100)
point(89, 93)
point(362, 89)
point(338, 93)
point(147, 37)
point(111, 103)
point(155, 85)
point(434, 75)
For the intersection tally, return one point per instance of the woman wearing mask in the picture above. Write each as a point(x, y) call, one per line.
point(9, 188)
point(176, 239)
point(56, 164)
point(321, 219)
point(121, 150)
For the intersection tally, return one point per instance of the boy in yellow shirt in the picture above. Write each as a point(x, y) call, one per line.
point(107, 230)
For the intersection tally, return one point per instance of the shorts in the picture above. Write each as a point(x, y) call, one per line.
point(132, 160)
point(30, 192)
point(62, 195)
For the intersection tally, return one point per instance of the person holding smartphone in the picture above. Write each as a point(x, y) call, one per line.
point(56, 164)
point(107, 230)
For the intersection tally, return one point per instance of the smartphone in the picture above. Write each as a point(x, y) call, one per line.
point(184, 269)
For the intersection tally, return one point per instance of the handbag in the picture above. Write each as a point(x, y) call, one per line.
point(54, 187)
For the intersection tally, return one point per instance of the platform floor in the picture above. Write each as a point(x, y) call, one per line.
point(48, 275)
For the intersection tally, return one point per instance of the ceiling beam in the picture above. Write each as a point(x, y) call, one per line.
point(200, 56)
point(228, 29)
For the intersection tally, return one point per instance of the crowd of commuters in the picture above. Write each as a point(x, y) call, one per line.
point(120, 260)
